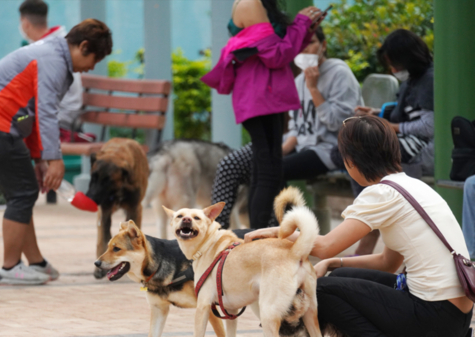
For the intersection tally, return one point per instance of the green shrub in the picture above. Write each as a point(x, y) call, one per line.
point(355, 32)
point(192, 98)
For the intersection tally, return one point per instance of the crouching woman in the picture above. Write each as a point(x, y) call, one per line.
point(362, 296)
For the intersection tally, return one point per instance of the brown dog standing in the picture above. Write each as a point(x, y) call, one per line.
point(275, 273)
point(119, 174)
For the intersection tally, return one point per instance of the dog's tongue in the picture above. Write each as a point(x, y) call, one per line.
point(111, 273)
point(84, 203)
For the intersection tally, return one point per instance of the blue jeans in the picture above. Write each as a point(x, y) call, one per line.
point(468, 215)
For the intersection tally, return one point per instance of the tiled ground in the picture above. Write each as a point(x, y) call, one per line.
point(79, 305)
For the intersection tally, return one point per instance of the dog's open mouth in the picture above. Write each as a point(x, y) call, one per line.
point(186, 233)
point(117, 272)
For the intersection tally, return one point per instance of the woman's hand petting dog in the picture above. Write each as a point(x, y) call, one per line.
point(263, 233)
point(321, 268)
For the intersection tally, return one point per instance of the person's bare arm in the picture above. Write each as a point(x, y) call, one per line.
point(342, 237)
point(366, 110)
point(327, 246)
point(248, 13)
point(312, 75)
point(388, 261)
point(289, 145)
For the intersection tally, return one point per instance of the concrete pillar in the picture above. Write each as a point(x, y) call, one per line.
point(158, 50)
point(95, 9)
point(223, 125)
point(454, 83)
point(91, 9)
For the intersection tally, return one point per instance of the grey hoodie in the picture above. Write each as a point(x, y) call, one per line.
point(70, 106)
point(33, 81)
point(317, 128)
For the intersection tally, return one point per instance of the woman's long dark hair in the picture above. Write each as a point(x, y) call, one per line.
point(275, 14)
point(404, 49)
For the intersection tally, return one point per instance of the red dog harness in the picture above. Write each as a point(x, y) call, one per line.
point(219, 283)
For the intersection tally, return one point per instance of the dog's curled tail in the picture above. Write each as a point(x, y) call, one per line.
point(288, 198)
point(302, 218)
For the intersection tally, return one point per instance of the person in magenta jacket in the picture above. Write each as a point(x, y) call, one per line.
point(255, 67)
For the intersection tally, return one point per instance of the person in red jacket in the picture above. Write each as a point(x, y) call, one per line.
point(34, 27)
point(33, 80)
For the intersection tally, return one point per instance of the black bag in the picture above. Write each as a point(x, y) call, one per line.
point(463, 154)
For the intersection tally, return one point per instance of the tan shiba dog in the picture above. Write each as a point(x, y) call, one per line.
point(275, 273)
point(160, 266)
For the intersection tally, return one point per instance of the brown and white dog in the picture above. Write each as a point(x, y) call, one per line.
point(275, 273)
point(159, 264)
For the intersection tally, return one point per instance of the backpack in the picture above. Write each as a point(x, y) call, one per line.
point(463, 154)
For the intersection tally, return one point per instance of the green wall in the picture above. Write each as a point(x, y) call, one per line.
point(454, 82)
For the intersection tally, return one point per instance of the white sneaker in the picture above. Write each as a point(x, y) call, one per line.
point(21, 274)
point(48, 270)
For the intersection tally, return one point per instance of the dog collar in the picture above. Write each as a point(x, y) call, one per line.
point(199, 253)
point(196, 256)
point(144, 283)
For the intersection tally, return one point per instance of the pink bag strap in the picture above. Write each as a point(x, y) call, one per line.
point(419, 210)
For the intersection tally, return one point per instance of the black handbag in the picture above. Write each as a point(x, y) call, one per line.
point(465, 267)
point(463, 154)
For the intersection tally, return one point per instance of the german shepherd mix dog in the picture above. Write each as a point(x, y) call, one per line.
point(181, 175)
point(276, 273)
point(119, 174)
point(160, 266)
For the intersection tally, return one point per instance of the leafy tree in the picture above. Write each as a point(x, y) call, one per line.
point(192, 98)
point(355, 32)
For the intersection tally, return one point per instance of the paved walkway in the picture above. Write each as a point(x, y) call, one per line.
point(79, 305)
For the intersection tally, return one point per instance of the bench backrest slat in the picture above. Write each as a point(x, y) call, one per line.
point(125, 120)
point(146, 104)
point(157, 87)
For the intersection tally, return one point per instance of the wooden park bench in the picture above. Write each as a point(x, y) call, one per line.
point(134, 104)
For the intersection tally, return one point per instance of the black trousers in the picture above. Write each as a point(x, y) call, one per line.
point(17, 179)
point(360, 302)
point(235, 169)
point(232, 171)
point(267, 174)
point(305, 164)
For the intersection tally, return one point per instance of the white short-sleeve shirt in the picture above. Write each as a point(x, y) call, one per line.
point(431, 273)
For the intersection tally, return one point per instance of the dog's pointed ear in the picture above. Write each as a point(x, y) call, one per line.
point(132, 229)
point(123, 226)
point(169, 212)
point(213, 211)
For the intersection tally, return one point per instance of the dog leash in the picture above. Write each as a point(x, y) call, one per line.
point(221, 258)
point(182, 277)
